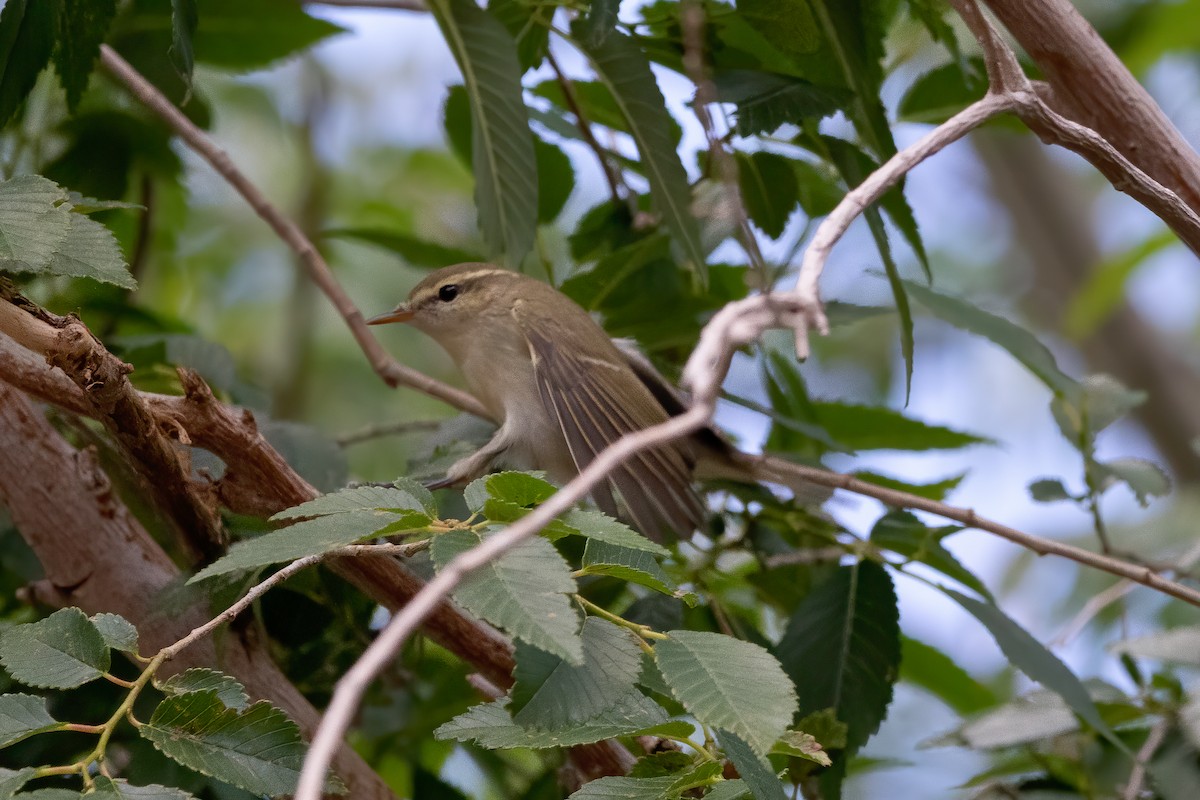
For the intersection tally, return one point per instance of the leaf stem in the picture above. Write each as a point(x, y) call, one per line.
point(643, 631)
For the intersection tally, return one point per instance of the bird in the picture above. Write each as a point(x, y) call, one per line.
point(562, 391)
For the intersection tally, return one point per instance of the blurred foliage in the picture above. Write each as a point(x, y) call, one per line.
point(586, 169)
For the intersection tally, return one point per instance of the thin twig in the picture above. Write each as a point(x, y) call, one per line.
point(391, 371)
point(611, 174)
point(1137, 776)
point(387, 429)
point(692, 21)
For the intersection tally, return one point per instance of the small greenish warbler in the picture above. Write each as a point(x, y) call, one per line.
point(562, 391)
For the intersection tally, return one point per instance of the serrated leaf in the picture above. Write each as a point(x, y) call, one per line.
point(769, 189)
point(842, 648)
point(754, 768)
point(901, 532)
point(1175, 645)
point(1144, 478)
point(525, 592)
point(942, 92)
point(258, 749)
point(505, 164)
point(229, 691)
point(82, 27)
point(553, 695)
point(90, 250)
point(707, 674)
point(861, 427)
point(1049, 490)
point(27, 34)
point(117, 632)
point(1031, 657)
point(798, 744)
point(522, 488)
point(242, 36)
point(405, 495)
point(925, 666)
point(937, 490)
point(22, 716)
point(1020, 343)
point(305, 538)
point(491, 726)
point(735, 789)
point(624, 788)
point(51, 794)
point(765, 101)
point(417, 252)
point(624, 69)
point(1103, 401)
point(107, 789)
point(33, 223)
point(635, 566)
point(62, 651)
point(599, 527)
point(556, 180)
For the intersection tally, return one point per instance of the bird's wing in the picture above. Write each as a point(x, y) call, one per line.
point(591, 399)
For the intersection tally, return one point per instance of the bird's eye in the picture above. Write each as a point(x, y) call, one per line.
point(448, 292)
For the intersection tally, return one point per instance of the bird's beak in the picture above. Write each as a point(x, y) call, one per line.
point(401, 313)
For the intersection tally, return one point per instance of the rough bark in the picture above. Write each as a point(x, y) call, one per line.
point(1093, 87)
point(98, 557)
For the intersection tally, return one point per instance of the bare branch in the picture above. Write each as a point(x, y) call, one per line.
point(391, 371)
point(611, 173)
point(1137, 776)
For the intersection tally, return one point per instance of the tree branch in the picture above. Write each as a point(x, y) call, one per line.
point(391, 371)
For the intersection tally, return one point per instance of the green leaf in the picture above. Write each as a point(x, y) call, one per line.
point(553, 695)
point(854, 31)
point(787, 24)
point(881, 428)
point(525, 592)
point(769, 189)
point(11, 781)
point(83, 25)
point(505, 164)
point(27, 35)
point(707, 673)
point(842, 649)
point(1104, 288)
point(90, 250)
point(798, 744)
point(491, 726)
point(1102, 401)
point(634, 566)
point(623, 788)
point(117, 632)
point(942, 92)
point(230, 692)
point(598, 526)
point(183, 29)
point(1019, 342)
point(729, 790)
point(1031, 657)
point(755, 770)
point(902, 533)
point(416, 252)
point(528, 23)
point(1144, 478)
point(766, 101)
point(598, 105)
point(1049, 490)
point(599, 22)
point(925, 666)
point(62, 651)
point(258, 749)
point(22, 716)
point(938, 490)
point(306, 538)
point(1174, 645)
point(107, 789)
point(244, 35)
point(820, 194)
point(405, 495)
point(623, 68)
point(521, 488)
point(556, 180)
point(33, 222)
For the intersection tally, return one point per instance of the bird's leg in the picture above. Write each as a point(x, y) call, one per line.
point(479, 463)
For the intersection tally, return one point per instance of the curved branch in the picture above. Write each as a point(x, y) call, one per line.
point(391, 371)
